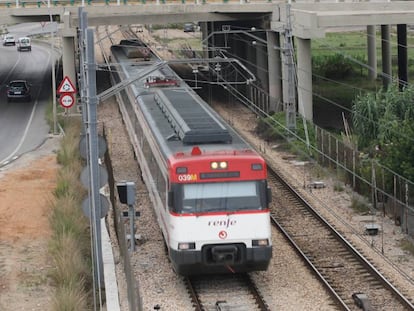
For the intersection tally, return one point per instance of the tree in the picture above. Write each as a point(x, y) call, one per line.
point(398, 155)
point(386, 119)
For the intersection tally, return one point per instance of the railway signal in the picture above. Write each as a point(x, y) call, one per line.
point(126, 192)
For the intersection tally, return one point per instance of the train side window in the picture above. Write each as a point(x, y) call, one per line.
point(170, 200)
point(269, 195)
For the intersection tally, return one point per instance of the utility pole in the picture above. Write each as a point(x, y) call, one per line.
point(290, 103)
point(93, 203)
point(83, 25)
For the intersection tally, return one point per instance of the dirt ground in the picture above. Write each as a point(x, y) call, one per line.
point(26, 187)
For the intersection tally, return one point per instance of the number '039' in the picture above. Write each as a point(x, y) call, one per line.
point(187, 177)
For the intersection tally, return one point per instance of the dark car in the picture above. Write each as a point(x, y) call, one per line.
point(189, 27)
point(19, 90)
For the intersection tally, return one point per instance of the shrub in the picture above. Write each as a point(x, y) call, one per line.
point(359, 204)
point(68, 182)
point(69, 298)
point(335, 66)
point(70, 243)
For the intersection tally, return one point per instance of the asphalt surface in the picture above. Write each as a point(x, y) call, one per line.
point(23, 126)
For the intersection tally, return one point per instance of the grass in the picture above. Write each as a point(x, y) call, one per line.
point(69, 298)
point(354, 43)
point(68, 182)
point(32, 279)
point(178, 45)
point(360, 204)
point(338, 186)
point(341, 92)
point(69, 246)
point(407, 245)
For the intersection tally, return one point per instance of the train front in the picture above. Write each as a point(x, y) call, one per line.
point(218, 212)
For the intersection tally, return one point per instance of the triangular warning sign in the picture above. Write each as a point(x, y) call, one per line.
point(66, 86)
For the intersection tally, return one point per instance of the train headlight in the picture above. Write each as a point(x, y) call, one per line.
point(222, 165)
point(186, 246)
point(261, 242)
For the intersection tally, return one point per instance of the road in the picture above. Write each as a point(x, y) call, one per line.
point(23, 124)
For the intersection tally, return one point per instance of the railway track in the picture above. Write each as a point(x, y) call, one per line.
point(225, 292)
point(351, 279)
point(218, 292)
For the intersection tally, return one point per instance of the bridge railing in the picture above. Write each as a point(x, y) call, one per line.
point(47, 3)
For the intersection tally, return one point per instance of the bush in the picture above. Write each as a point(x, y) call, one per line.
point(70, 243)
point(68, 182)
point(67, 219)
point(69, 298)
point(70, 267)
point(69, 148)
point(359, 204)
point(334, 66)
point(273, 128)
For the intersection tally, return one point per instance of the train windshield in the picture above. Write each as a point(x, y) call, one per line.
point(221, 196)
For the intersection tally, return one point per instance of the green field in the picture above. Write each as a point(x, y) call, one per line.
point(353, 46)
point(338, 51)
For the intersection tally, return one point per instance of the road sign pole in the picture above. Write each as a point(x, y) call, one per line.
point(52, 47)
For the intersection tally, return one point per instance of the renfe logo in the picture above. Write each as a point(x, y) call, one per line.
point(222, 223)
point(222, 234)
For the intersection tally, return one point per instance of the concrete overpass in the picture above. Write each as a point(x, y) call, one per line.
point(308, 21)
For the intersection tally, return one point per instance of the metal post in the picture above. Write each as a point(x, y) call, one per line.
point(131, 214)
point(83, 24)
point(52, 51)
point(291, 101)
point(53, 82)
point(93, 156)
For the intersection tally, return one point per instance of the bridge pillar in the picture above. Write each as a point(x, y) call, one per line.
point(68, 60)
point(275, 71)
point(68, 49)
point(402, 56)
point(304, 74)
point(386, 56)
point(372, 52)
point(261, 62)
point(204, 34)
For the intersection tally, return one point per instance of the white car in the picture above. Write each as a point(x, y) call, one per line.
point(9, 39)
point(24, 43)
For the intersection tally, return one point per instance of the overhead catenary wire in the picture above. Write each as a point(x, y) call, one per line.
point(330, 101)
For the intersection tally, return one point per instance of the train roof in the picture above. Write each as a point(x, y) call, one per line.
point(192, 123)
point(177, 116)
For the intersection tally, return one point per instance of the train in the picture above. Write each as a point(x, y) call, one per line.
point(207, 185)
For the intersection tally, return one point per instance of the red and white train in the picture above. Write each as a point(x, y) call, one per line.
point(208, 186)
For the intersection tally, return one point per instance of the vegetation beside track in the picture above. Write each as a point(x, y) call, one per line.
point(70, 243)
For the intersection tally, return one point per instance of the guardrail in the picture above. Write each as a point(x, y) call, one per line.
point(40, 3)
point(51, 3)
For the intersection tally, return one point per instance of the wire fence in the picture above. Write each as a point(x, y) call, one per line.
point(386, 190)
